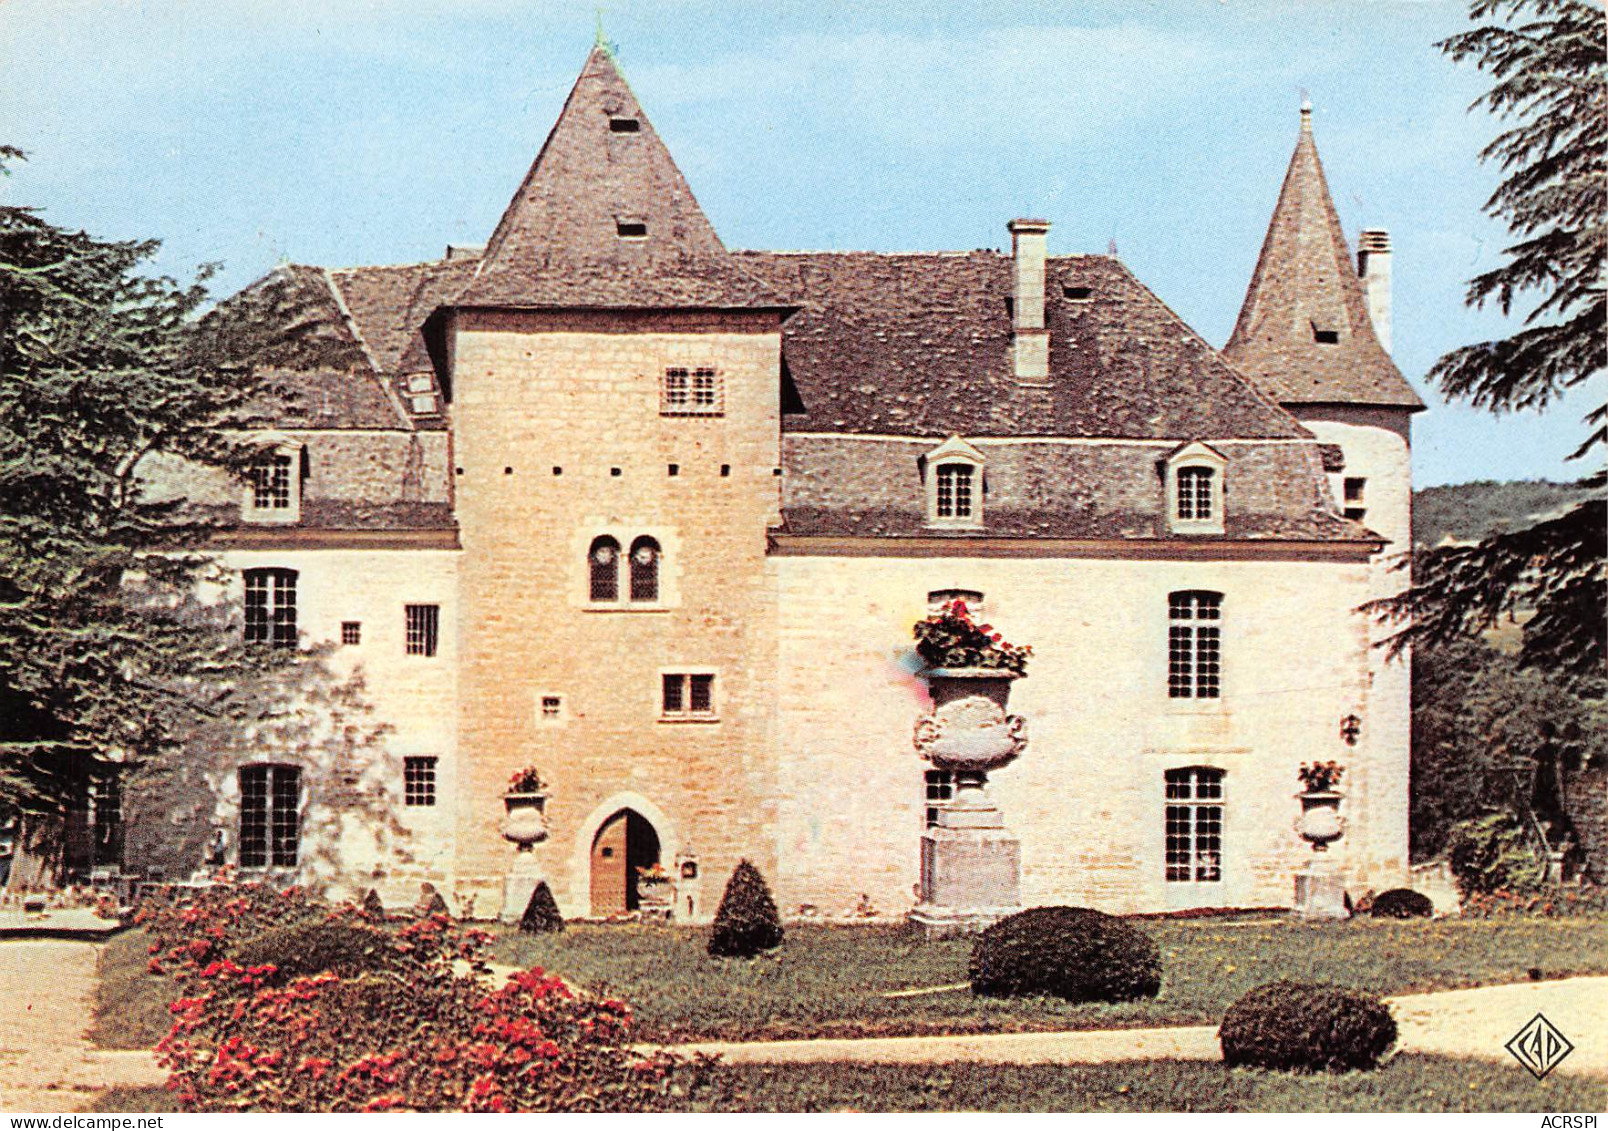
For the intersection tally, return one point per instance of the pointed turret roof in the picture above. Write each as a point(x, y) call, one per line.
point(1304, 333)
point(605, 219)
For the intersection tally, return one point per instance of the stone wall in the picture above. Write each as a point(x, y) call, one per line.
point(1086, 798)
point(559, 438)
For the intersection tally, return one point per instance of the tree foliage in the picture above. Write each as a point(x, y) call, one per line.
point(1491, 736)
point(1546, 61)
point(106, 652)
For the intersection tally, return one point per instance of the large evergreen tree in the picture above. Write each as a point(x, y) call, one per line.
point(106, 653)
point(1546, 60)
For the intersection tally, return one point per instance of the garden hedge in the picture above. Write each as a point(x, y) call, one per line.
point(1070, 952)
point(1306, 1027)
point(311, 948)
point(1401, 903)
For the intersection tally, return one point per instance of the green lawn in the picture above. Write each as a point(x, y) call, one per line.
point(1407, 1083)
point(829, 981)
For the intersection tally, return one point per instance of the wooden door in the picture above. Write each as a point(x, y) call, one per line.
point(609, 867)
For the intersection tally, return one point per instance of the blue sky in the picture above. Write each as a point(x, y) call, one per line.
point(377, 131)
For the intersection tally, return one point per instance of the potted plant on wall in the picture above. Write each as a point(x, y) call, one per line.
point(1320, 821)
point(525, 802)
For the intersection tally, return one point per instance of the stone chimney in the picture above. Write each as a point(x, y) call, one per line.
point(1030, 339)
point(1373, 267)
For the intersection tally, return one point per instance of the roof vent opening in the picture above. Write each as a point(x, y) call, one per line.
point(631, 229)
point(1077, 294)
point(624, 126)
point(1326, 337)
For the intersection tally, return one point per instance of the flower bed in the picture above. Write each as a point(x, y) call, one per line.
point(421, 1031)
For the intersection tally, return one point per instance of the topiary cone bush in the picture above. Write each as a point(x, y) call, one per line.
point(1306, 1027)
point(373, 904)
point(746, 921)
point(1071, 952)
point(1402, 903)
point(541, 913)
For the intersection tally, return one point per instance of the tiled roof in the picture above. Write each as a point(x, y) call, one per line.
point(1304, 283)
point(379, 300)
point(848, 487)
point(602, 172)
point(920, 344)
point(322, 373)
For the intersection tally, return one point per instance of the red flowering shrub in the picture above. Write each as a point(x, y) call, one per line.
point(420, 1032)
point(951, 639)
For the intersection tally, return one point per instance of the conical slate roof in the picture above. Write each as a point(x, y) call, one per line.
point(1304, 333)
point(605, 219)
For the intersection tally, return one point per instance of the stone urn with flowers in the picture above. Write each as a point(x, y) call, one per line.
point(1320, 892)
point(1320, 823)
point(525, 809)
point(970, 863)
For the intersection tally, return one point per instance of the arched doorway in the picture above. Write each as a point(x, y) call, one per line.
point(624, 843)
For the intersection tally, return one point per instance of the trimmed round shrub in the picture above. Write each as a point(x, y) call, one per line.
point(746, 921)
point(312, 948)
point(1306, 1027)
point(1402, 903)
point(541, 913)
point(1070, 952)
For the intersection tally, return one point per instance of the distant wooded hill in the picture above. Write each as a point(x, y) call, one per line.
point(1467, 512)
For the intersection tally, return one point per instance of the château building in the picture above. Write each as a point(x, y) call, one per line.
point(607, 498)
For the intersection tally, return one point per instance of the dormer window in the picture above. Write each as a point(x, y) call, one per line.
point(421, 394)
point(1194, 485)
point(954, 478)
point(273, 486)
point(629, 229)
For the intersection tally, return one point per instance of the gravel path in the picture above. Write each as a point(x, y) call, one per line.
point(47, 999)
point(1468, 1023)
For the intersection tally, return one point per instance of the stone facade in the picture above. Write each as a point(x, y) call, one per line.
point(604, 389)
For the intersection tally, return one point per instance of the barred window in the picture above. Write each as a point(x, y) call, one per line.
point(423, 629)
point(603, 564)
point(1194, 825)
point(351, 632)
point(270, 816)
point(691, 392)
point(940, 787)
point(270, 483)
point(419, 780)
point(1194, 645)
point(644, 569)
point(687, 696)
point(271, 607)
point(954, 500)
point(1195, 493)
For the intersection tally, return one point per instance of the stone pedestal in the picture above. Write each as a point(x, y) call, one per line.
point(1320, 894)
point(970, 877)
point(518, 885)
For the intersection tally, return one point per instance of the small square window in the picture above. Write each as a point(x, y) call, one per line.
point(1326, 337)
point(419, 781)
point(552, 708)
point(1356, 488)
point(423, 629)
point(631, 229)
point(624, 126)
point(691, 392)
point(351, 632)
point(1077, 294)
